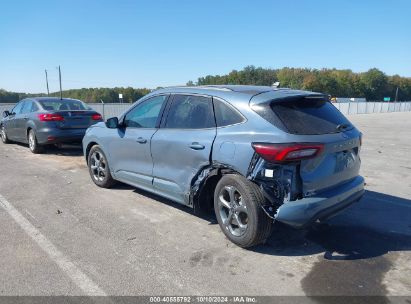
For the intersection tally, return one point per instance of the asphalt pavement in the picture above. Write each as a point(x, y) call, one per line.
point(62, 235)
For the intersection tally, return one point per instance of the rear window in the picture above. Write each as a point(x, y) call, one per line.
point(225, 114)
point(305, 115)
point(64, 105)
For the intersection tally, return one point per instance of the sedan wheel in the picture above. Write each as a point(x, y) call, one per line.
point(32, 141)
point(3, 135)
point(33, 144)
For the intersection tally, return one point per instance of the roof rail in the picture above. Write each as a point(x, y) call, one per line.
point(216, 87)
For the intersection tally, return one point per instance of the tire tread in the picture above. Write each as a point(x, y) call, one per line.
point(264, 224)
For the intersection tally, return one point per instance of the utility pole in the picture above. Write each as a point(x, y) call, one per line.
point(104, 114)
point(47, 83)
point(396, 95)
point(61, 92)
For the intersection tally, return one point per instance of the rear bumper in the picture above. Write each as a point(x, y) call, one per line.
point(54, 136)
point(305, 211)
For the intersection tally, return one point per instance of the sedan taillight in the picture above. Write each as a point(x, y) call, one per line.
point(287, 152)
point(96, 117)
point(50, 117)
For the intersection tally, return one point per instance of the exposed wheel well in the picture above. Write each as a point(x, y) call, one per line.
point(89, 146)
point(204, 200)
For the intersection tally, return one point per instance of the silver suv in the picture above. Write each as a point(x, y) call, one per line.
point(254, 154)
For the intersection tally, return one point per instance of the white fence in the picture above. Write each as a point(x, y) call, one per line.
point(350, 108)
point(116, 109)
point(110, 109)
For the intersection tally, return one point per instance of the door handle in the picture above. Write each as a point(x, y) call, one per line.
point(196, 146)
point(141, 140)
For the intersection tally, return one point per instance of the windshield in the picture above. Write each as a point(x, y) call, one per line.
point(64, 105)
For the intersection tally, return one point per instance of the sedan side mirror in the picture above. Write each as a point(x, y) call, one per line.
point(6, 113)
point(112, 123)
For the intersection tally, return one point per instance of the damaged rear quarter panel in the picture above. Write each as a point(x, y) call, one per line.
point(232, 152)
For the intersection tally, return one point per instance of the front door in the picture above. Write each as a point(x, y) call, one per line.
point(129, 147)
point(182, 146)
point(20, 121)
point(10, 122)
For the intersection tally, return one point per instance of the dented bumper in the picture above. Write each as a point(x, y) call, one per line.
point(304, 211)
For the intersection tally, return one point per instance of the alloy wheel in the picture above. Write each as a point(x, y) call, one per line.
point(32, 141)
point(233, 211)
point(98, 166)
point(3, 134)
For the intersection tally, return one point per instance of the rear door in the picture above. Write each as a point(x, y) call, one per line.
point(314, 119)
point(129, 145)
point(183, 145)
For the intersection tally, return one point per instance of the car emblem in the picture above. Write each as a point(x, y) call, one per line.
point(69, 114)
point(344, 135)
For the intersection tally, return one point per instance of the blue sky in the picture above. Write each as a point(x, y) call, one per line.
point(158, 43)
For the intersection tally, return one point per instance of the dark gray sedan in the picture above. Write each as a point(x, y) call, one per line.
point(43, 121)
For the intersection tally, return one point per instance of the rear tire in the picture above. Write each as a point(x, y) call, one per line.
point(98, 168)
point(237, 204)
point(33, 144)
point(3, 135)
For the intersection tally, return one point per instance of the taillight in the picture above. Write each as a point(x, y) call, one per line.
point(50, 117)
point(96, 117)
point(287, 152)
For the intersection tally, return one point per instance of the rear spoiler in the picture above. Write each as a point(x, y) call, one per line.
point(284, 96)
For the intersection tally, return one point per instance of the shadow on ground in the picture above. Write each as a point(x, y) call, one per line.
point(210, 217)
point(378, 224)
point(60, 150)
point(352, 251)
point(65, 150)
point(357, 247)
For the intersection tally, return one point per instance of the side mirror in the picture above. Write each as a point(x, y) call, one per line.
point(6, 113)
point(112, 123)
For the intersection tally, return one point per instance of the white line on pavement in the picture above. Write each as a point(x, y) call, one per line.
point(77, 276)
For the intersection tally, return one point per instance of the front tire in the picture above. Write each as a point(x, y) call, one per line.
point(98, 168)
point(237, 204)
point(3, 135)
point(33, 144)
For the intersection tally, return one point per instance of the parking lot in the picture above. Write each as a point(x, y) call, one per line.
point(62, 235)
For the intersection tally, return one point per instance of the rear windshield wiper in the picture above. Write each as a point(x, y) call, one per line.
point(342, 127)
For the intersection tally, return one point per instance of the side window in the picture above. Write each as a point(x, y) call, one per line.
point(190, 112)
point(26, 107)
point(145, 115)
point(17, 108)
point(225, 114)
point(34, 107)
